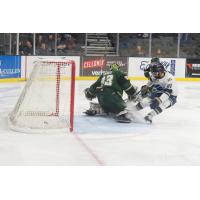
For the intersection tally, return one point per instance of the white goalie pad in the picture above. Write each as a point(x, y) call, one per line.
point(96, 107)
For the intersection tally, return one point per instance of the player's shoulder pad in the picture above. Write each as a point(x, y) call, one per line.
point(124, 74)
point(118, 73)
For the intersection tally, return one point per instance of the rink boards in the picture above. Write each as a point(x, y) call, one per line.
point(18, 68)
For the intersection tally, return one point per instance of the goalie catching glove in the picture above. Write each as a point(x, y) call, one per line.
point(89, 95)
point(95, 109)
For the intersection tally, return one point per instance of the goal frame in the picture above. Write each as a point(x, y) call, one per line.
point(58, 63)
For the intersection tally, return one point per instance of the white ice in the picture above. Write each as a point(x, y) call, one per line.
point(172, 139)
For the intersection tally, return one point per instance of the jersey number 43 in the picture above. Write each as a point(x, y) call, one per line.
point(107, 80)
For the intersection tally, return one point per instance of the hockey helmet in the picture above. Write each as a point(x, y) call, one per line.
point(157, 70)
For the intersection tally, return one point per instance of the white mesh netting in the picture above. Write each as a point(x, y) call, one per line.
point(45, 103)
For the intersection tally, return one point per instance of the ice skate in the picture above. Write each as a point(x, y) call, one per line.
point(148, 119)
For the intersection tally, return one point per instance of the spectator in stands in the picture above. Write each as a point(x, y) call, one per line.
point(51, 43)
point(71, 44)
point(26, 48)
point(61, 43)
point(39, 40)
point(21, 47)
point(139, 51)
point(67, 45)
point(158, 53)
point(42, 49)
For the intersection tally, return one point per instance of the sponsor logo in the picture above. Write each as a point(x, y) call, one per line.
point(169, 66)
point(144, 65)
point(119, 62)
point(193, 66)
point(189, 66)
point(95, 66)
point(172, 67)
point(98, 63)
point(9, 71)
point(196, 66)
point(193, 69)
point(98, 73)
point(10, 66)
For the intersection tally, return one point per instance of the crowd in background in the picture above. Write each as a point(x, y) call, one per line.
point(130, 44)
point(162, 45)
point(47, 44)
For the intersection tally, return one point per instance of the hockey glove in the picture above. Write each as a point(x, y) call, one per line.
point(155, 103)
point(144, 91)
point(88, 94)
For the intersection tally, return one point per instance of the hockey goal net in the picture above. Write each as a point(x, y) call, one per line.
point(46, 103)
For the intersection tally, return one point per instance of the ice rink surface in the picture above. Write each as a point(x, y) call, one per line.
point(172, 139)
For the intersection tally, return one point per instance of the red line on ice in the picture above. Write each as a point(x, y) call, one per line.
point(89, 150)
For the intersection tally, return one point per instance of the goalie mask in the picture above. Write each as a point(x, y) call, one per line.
point(157, 70)
point(114, 67)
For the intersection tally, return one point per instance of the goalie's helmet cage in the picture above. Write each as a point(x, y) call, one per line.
point(47, 101)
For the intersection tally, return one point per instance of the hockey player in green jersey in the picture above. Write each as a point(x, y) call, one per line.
point(109, 91)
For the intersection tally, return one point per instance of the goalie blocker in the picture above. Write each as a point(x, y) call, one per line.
point(95, 109)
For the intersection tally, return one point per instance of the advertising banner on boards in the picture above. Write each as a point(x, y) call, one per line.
point(192, 68)
point(176, 66)
point(96, 65)
point(10, 67)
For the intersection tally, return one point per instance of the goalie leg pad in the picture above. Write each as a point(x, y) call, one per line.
point(95, 109)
